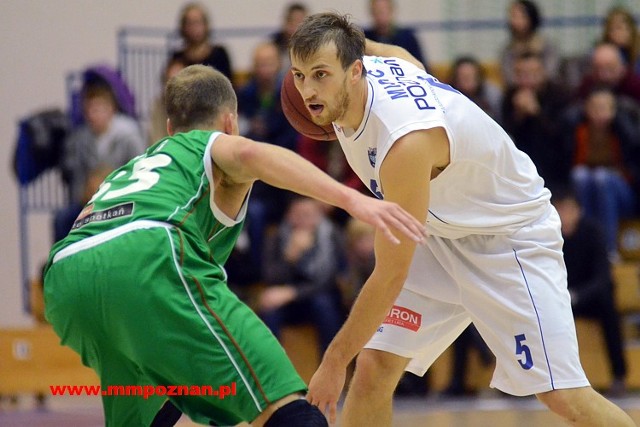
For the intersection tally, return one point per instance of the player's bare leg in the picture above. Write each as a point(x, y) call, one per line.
point(370, 396)
point(585, 407)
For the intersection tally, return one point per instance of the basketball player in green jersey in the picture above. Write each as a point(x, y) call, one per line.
point(138, 287)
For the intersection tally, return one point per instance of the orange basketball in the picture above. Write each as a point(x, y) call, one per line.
point(298, 115)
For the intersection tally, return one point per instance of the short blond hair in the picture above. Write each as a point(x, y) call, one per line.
point(196, 96)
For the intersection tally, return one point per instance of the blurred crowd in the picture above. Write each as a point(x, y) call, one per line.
point(299, 261)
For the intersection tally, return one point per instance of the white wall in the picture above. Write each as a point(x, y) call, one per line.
point(42, 40)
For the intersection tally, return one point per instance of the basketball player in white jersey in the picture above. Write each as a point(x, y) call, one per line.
point(494, 256)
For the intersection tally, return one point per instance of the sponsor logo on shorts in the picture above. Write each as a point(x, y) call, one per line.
point(403, 317)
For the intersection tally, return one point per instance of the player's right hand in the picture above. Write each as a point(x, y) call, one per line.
point(325, 388)
point(386, 216)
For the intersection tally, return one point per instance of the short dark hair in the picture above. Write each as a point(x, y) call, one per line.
point(196, 96)
point(99, 89)
point(322, 28)
point(471, 60)
point(295, 7)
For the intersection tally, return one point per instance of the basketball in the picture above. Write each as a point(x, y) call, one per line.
point(298, 115)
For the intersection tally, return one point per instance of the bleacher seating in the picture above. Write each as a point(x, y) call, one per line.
point(31, 359)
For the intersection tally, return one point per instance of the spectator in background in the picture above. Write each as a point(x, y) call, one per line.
point(259, 100)
point(608, 68)
point(620, 28)
point(360, 258)
point(197, 48)
point(531, 112)
point(604, 142)
point(589, 279)
point(469, 77)
point(302, 263)
point(525, 36)
point(261, 118)
point(293, 16)
point(386, 30)
point(107, 139)
point(158, 116)
point(64, 218)
point(330, 158)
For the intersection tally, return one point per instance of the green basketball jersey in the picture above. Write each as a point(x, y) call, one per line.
point(170, 182)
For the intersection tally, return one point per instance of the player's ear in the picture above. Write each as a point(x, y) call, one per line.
point(231, 124)
point(170, 131)
point(356, 70)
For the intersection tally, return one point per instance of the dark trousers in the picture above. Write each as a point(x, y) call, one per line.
point(604, 311)
point(323, 310)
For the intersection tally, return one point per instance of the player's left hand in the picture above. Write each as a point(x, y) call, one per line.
point(325, 388)
point(385, 216)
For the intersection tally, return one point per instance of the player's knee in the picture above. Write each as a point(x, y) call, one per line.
point(555, 400)
point(377, 372)
point(568, 403)
point(298, 413)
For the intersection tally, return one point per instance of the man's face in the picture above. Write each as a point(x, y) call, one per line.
point(382, 13)
point(607, 64)
point(266, 63)
point(529, 73)
point(322, 83)
point(98, 112)
point(467, 79)
point(293, 21)
point(305, 214)
point(600, 109)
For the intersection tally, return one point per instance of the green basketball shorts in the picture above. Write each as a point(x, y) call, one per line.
point(142, 307)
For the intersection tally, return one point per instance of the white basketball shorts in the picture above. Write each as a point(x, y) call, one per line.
point(512, 287)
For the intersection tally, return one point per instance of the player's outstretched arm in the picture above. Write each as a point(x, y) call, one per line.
point(406, 174)
point(381, 49)
point(244, 160)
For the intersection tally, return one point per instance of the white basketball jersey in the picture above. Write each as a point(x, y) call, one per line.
point(489, 187)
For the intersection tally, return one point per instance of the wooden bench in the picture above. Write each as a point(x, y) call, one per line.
point(32, 359)
point(626, 279)
point(629, 239)
point(301, 344)
point(593, 355)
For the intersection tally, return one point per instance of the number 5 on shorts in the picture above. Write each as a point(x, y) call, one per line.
point(523, 349)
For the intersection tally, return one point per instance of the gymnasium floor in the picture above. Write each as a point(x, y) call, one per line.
point(488, 411)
